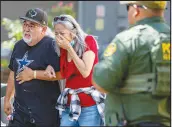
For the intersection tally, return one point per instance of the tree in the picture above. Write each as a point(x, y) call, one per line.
point(58, 9)
point(14, 29)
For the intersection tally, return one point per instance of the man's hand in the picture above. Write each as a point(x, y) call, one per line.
point(10, 90)
point(25, 75)
point(7, 107)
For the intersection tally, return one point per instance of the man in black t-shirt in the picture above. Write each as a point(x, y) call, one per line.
point(34, 100)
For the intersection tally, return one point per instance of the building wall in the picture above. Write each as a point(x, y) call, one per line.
point(114, 22)
point(115, 19)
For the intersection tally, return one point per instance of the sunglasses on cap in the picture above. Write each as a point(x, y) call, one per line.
point(135, 6)
point(62, 18)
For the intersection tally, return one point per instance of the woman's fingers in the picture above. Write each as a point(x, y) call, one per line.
point(58, 41)
point(48, 73)
point(45, 73)
point(61, 37)
point(53, 73)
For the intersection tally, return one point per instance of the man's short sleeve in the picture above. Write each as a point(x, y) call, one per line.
point(109, 72)
point(10, 66)
point(53, 58)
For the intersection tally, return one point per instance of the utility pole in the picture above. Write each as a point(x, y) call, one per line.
point(80, 13)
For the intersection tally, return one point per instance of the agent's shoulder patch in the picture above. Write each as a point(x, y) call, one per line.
point(111, 49)
point(166, 49)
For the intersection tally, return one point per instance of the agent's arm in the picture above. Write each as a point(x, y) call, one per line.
point(108, 73)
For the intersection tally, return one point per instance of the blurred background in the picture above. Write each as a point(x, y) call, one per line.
point(103, 19)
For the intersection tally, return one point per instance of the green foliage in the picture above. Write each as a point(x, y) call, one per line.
point(4, 63)
point(58, 9)
point(88, 31)
point(61, 8)
point(14, 29)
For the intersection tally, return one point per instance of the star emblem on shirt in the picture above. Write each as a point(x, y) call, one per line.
point(23, 62)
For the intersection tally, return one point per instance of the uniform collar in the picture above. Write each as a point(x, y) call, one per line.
point(149, 20)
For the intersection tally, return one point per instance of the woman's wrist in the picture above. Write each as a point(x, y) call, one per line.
point(69, 49)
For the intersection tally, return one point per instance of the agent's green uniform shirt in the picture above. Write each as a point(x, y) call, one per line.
point(129, 54)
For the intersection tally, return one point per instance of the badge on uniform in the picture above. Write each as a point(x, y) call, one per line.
point(111, 49)
point(166, 49)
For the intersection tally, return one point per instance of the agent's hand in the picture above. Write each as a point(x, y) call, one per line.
point(49, 72)
point(63, 42)
point(25, 75)
point(7, 107)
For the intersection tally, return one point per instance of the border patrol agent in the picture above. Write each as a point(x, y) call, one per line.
point(135, 70)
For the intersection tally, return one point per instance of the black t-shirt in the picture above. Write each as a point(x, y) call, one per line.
point(39, 95)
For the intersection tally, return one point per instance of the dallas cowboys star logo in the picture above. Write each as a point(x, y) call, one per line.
point(23, 62)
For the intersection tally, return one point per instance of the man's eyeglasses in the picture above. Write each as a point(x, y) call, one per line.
point(31, 26)
point(62, 18)
point(135, 6)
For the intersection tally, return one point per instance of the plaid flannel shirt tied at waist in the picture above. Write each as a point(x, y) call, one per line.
point(75, 107)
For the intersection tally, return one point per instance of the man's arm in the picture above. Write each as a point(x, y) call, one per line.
point(52, 58)
point(28, 74)
point(98, 87)
point(10, 90)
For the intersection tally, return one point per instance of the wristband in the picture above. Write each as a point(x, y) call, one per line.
point(34, 74)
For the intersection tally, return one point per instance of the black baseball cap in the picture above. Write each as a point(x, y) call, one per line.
point(36, 15)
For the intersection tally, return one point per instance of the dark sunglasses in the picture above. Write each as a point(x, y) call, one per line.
point(62, 18)
point(59, 18)
point(134, 5)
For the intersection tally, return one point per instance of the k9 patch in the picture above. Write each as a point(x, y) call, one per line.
point(166, 51)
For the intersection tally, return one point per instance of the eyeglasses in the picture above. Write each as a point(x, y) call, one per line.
point(59, 18)
point(62, 18)
point(135, 6)
point(31, 26)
